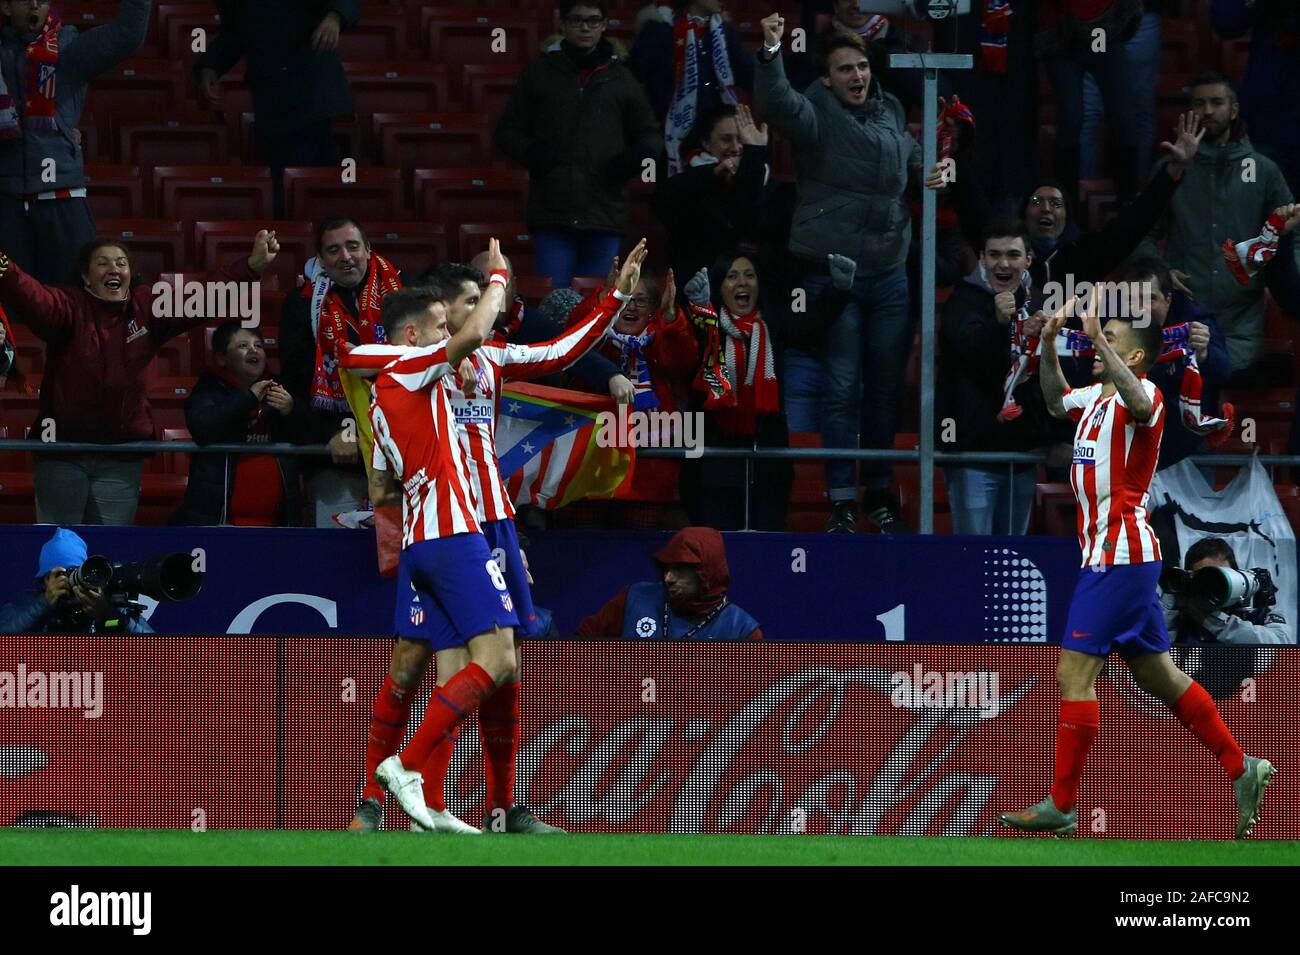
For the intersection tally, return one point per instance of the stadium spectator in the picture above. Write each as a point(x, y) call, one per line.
point(234, 402)
point(1062, 250)
point(1197, 331)
point(293, 72)
point(340, 301)
point(981, 406)
point(716, 202)
point(653, 351)
point(689, 602)
point(1212, 206)
point(882, 37)
point(56, 605)
point(1271, 86)
point(738, 391)
point(1067, 41)
point(1143, 52)
point(45, 69)
point(579, 121)
point(1002, 90)
point(1190, 620)
point(101, 340)
point(690, 68)
point(854, 157)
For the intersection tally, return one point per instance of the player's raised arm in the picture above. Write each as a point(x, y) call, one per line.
point(478, 327)
point(1050, 377)
point(524, 362)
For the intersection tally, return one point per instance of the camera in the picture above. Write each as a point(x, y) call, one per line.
point(1223, 588)
point(166, 577)
point(932, 10)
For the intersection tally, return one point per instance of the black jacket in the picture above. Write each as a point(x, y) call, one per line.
point(706, 216)
point(580, 141)
point(218, 412)
point(974, 358)
point(293, 86)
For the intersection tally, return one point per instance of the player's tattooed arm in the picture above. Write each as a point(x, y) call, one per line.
point(384, 491)
point(1050, 377)
point(478, 327)
point(1130, 389)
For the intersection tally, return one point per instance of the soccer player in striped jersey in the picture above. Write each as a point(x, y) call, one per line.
point(475, 398)
point(1119, 422)
point(461, 598)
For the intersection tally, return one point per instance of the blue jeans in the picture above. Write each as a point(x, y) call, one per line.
point(804, 386)
point(561, 254)
point(864, 360)
point(1112, 72)
point(1144, 65)
point(990, 501)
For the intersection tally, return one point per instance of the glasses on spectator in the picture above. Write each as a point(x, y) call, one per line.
point(589, 22)
point(640, 301)
point(1051, 202)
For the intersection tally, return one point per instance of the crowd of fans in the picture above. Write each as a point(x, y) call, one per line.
point(782, 303)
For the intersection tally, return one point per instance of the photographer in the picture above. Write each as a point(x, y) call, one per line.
point(1191, 618)
point(58, 605)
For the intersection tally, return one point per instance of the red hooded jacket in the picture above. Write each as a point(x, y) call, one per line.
point(99, 353)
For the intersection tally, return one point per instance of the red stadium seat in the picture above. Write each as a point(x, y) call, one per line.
point(190, 193)
point(219, 242)
point(156, 246)
point(116, 192)
point(532, 288)
point(177, 23)
point(139, 87)
point(388, 87)
point(488, 87)
point(380, 35)
point(457, 36)
point(433, 139)
point(516, 243)
point(93, 145)
point(171, 142)
point(470, 194)
point(176, 358)
point(411, 246)
point(314, 193)
point(173, 462)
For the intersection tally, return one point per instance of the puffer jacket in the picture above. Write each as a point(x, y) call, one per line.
point(853, 169)
point(82, 56)
point(1212, 204)
point(582, 132)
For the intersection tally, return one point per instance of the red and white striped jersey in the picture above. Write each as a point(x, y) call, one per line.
point(476, 405)
point(1114, 461)
point(415, 432)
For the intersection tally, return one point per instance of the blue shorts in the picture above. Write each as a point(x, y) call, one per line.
point(1117, 608)
point(504, 543)
point(449, 591)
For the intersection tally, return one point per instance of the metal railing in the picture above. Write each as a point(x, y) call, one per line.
point(750, 454)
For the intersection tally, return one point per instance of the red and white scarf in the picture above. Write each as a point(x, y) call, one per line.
point(684, 111)
point(868, 31)
point(40, 89)
point(1246, 258)
point(331, 321)
point(738, 374)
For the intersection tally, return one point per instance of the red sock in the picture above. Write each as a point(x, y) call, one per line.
point(448, 707)
point(1075, 731)
point(435, 771)
point(388, 716)
point(1195, 709)
point(499, 726)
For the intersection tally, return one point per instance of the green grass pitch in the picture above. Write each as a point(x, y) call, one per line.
point(110, 847)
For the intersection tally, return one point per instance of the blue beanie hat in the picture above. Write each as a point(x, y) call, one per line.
point(64, 549)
